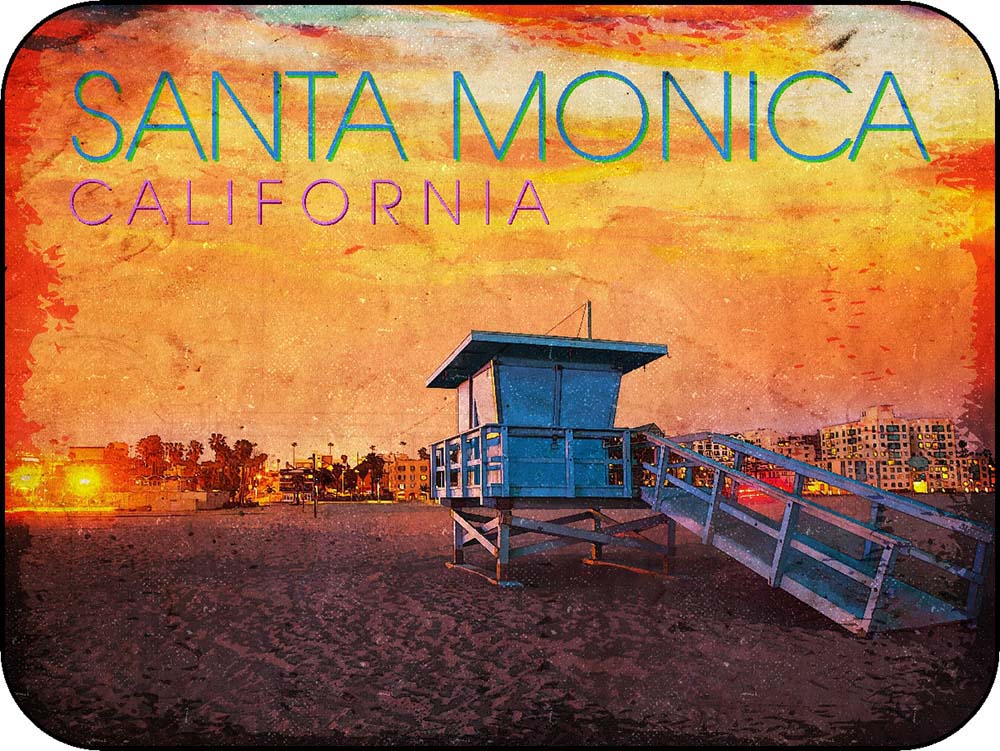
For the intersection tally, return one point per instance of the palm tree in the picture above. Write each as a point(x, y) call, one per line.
point(375, 465)
point(294, 444)
point(242, 452)
point(175, 452)
point(361, 470)
point(324, 478)
point(336, 472)
point(223, 461)
point(194, 451)
point(350, 478)
point(151, 452)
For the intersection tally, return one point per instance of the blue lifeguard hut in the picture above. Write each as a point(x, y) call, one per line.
point(535, 429)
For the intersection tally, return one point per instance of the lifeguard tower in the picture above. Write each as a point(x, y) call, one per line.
point(536, 430)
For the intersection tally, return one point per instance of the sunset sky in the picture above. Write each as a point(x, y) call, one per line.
point(791, 294)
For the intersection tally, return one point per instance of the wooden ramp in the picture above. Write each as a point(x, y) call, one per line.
point(850, 570)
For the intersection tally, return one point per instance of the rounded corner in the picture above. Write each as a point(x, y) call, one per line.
point(975, 732)
point(946, 14)
point(22, 728)
point(19, 47)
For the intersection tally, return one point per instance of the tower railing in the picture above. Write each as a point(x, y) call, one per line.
point(501, 461)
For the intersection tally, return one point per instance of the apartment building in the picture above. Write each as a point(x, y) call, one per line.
point(977, 473)
point(805, 448)
point(408, 477)
point(717, 451)
point(895, 453)
point(936, 464)
point(874, 450)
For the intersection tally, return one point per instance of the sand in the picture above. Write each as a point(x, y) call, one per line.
point(272, 627)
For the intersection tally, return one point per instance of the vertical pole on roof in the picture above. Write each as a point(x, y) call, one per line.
point(590, 328)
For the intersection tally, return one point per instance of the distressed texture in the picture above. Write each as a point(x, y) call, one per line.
point(790, 293)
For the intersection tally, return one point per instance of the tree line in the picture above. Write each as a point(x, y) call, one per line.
point(343, 477)
point(232, 469)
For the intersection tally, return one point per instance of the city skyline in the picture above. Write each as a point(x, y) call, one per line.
point(303, 452)
point(898, 453)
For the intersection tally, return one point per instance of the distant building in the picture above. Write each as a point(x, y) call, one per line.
point(805, 448)
point(899, 454)
point(87, 454)
point(408, 477)
point(874, 450)
point(717, 451)
point(936, 465)
point(977, 473)
point(766, 438)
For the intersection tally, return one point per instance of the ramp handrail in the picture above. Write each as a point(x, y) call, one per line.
point(848, 523)
point(909, 506)
point(879, 500)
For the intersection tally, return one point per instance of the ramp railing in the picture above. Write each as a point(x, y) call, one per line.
point(846, 568)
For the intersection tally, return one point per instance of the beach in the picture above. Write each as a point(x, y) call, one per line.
point(272, 627)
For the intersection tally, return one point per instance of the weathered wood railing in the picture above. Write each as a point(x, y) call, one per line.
point(485, 462)
point(879, 500)
point(789, 538)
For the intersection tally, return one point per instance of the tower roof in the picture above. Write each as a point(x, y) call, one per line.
point(479, 347)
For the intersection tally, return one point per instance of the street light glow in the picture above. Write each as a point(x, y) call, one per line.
point(26, 478)
point(83, 480)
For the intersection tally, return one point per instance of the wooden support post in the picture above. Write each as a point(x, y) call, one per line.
point(789, 523)
point(596, 548)
point(708, 532)
point(458, 537)
point(568, 458)
point(463, 469)
point(877, 519)
point(433, 482)
point(734, 486)
point(974, 599)
point(447, 471)
point(661, 460)
point(627, 464)
point(472, 532)
point(504, 463)
point(503, 547)
point(671, 555)
point(484, 482)
point(798, 484)
point(885, 564)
